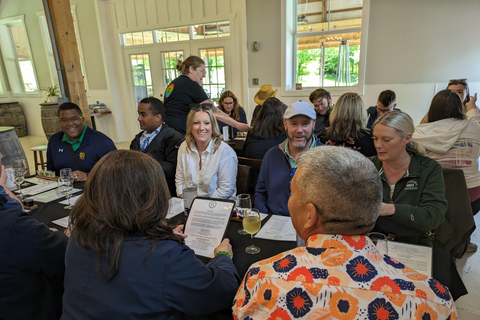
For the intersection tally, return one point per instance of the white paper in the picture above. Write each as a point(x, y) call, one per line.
point(73, 200)
point(36, 180)
point(206, 225)
point(63, 222)
point(278, 228)
point(39, 188)
point(225, 133)
point(175, 206)
point(51, 195)
point(419, 258)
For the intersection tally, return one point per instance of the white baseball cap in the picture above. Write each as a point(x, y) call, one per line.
point(300, 108)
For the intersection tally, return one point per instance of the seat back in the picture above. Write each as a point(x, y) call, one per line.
point(453, 234)
point(254, 165)
point(243, 178)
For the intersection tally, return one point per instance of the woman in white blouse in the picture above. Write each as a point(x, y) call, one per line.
point(211, 163)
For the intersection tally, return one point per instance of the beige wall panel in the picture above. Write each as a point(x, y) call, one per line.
point(121, 19)
point(224, 7)
point(198, 10)
point(130, 12)
point(140, 13)
point(151, 8)
point(210, 8)
point(185, 10)
point(162, 11)
point(173, 10)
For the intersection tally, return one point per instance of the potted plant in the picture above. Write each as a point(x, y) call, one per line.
point(52, 91)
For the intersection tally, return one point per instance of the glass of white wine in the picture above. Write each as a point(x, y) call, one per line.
point(244, 203)
point(65, 185)
point(19, 179)
point(251, 224)
point(21, 166)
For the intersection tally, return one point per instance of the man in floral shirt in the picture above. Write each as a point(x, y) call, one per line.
point(336, 198)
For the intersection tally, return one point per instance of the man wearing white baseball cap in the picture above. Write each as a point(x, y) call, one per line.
point(279, 163)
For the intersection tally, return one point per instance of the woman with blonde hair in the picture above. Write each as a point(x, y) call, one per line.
point(124, 261)
point(205, 158)
point(348, 126)
point(228, 103)
point(414, 201)
point(185, 91)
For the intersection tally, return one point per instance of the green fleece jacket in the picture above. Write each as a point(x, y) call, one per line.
point(419, 199)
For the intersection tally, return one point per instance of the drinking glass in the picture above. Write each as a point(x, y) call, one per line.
point(19, 179)
point(21, 165)
point(380, 241)
point(251, 224)
point(244, 204)
point(65, 185)
point(65, 173)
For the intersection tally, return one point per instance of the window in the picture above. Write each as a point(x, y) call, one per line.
point(175, 34)
point(17, 56)
point(214, 82)
point(326, 39)
point(142, 77)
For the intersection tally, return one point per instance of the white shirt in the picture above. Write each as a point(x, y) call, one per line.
point(218, 176)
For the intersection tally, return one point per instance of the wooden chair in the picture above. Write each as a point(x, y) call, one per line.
point(453, 234)
point(253, 166)
point(39, 159)
point(243, 178)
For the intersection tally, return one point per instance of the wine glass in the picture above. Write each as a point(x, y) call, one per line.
point(251, 224)
point(244, 203)
point(65, 173)
point(19, 179)
point(65, 185)
point(21, 165)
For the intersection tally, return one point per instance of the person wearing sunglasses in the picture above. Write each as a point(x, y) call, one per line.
point(77, 146)
point(228, 103)
point(186, 91)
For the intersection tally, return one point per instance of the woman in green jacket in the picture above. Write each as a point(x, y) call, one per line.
point(414, 201)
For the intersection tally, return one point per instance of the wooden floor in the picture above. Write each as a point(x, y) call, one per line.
point(469, 266)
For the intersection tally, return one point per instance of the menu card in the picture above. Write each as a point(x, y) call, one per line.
point(207, 224)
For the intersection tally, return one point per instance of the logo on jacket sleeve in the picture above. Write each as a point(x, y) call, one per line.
point(82, 155)
point(411, 185)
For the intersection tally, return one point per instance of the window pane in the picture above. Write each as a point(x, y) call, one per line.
point(162, 35)
point(198, 32)
point(224, 29)
point(183, 33)
point(141, 74)
point(214, 82)
point(169, 63)
point(147, 37)
point(20, 42)
point(340, 53)
point(137, 38)
point(128, 39)
point(26, 69)
point(211, 30)
point(328, 15)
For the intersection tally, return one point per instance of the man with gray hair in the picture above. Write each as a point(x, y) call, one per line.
point(335, 201)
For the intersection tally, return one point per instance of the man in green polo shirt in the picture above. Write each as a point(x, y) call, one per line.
point(77, 146)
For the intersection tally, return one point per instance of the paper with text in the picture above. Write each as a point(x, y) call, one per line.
point(278, 228)
point(419, 258)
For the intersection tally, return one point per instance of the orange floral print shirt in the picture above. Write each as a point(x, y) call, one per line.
point(339, 277)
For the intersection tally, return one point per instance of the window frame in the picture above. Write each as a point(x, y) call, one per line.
point(15, 79)
point(289, 52)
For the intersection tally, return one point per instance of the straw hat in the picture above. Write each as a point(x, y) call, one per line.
point(266, 91)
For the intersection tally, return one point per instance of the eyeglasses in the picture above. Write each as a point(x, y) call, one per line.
point(75, 120)
point(201, 106)
point(202, 70)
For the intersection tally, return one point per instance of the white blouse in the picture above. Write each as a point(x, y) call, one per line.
point(218, 176)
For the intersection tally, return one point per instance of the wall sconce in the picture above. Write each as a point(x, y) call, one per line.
point(255, 46)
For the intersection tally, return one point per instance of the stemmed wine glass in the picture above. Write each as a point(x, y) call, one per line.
point(21, 166)
point(251, 224)
point(19, 179)
point(243, 204)
point(66, 172)
point(65, 185)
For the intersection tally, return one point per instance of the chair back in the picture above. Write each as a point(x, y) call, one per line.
point(453, 234)
point(254, 163)
point(243, 178)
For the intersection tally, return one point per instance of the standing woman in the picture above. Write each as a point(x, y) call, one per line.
point(414, 201)
point(348, 126)
point(203, 156)
point(124, 262)
point(186, 90)
point(228, 103)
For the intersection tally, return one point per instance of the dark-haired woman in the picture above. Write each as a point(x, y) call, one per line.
point(124, 262)
point(185, 91)
point(267, 129)
point(452, 137)
point(228, 103)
